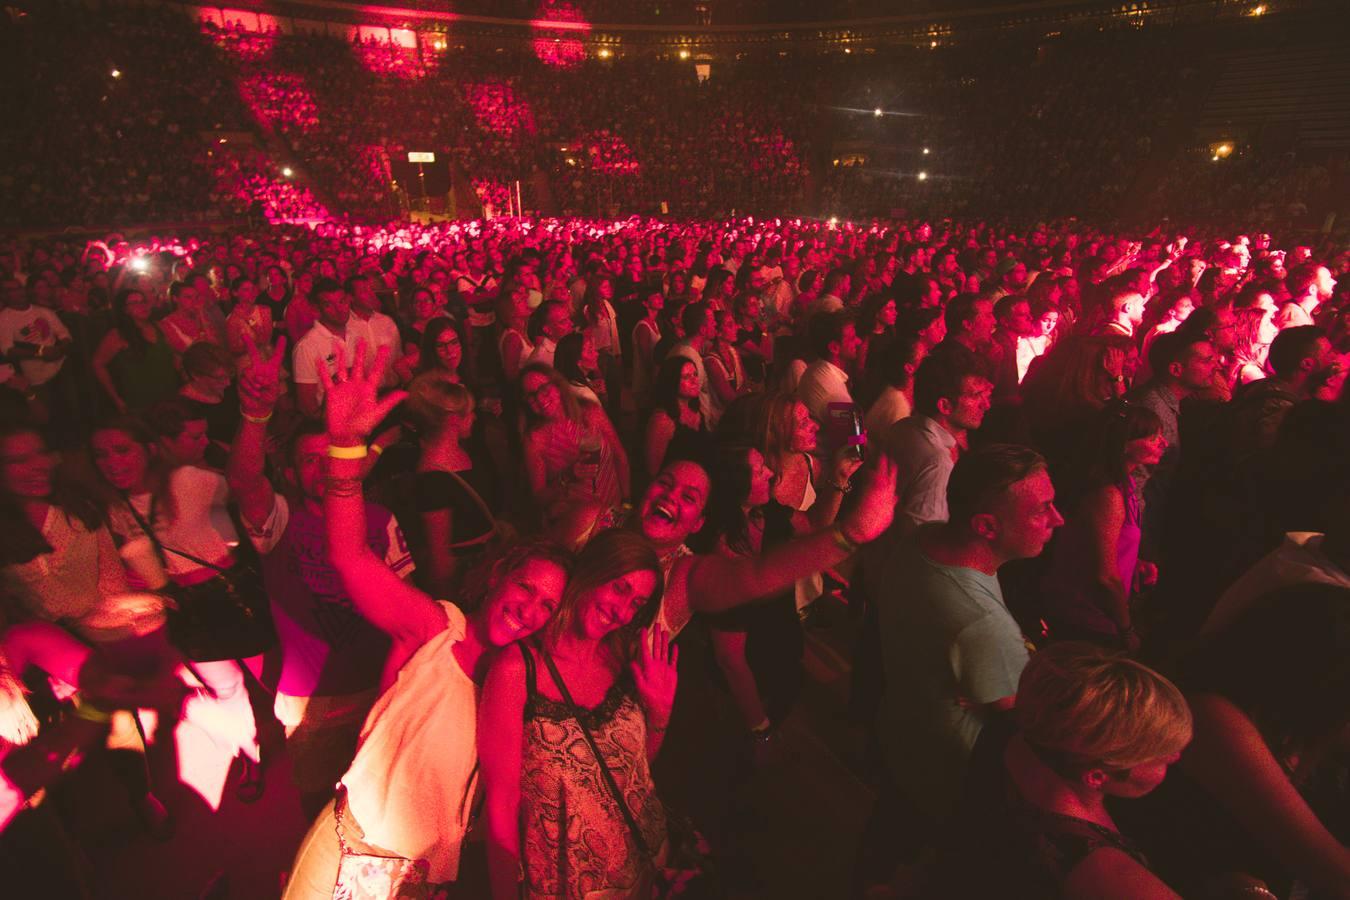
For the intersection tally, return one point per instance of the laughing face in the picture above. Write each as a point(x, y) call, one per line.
point(615, 603)
point(524, 601)
point(672, 508)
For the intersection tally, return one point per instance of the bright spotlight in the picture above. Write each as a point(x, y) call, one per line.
point(834, 220)
point(923, 176)
point(877, 112)
point(925, 151)
point(684, 54)
point(140, 264)
point(287, 172)
point(604, 53)
point(117, 73)
point(932, 45)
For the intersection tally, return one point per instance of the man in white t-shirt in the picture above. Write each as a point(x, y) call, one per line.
point(32, 336)
point(554, 323)
point(322, 343)
point(700, 327)
point(824, 384)
point(368, 324)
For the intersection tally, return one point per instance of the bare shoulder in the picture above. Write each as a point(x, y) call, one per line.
point(1111, 874)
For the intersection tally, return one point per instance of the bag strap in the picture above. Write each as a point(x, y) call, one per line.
point(154, 539)
point(483, 508)
point(599, 758)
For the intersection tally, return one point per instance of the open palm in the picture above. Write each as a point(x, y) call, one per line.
point(352, 403)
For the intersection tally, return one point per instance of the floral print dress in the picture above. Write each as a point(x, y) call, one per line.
point(575, 843)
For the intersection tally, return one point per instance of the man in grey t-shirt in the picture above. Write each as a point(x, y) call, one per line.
point(952, 652)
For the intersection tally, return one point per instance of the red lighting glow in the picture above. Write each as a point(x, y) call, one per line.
point(610, 154)
point(244, 46)
point(557, 34)
point(497, 109)
point(388, 59)
point(247, 178)
point(280, 101)
point(494, 196)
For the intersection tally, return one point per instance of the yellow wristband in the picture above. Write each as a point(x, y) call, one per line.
point(256, 420)
point(376, 449)
point(358, 452)
point(91, 713)
point(844, 541)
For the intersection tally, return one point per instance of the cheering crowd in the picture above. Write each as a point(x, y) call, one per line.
point(452, 494)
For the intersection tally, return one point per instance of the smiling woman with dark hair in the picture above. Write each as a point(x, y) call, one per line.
point(601, 682)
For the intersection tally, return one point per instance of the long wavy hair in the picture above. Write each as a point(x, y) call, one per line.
point(571, 405)
point(725, 516)
point(22, 541)
point(609, 555)
point(157, 472)
point(124, 325)
point(666, 387)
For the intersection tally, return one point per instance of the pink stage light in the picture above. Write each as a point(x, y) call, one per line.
point(497, 109)
point(389, 58)
point(558, 34)
point(374, 162)
point(610, 154)
point(243, 46)
point(246, 177)
point(495, 196)
point(280, 101)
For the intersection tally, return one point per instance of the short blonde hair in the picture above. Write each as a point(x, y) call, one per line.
point(1086, 706)
point(433, 398)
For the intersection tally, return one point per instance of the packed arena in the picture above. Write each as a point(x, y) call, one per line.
point(715, 449)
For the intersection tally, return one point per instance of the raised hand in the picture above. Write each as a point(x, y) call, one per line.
point(846, 462)
point(260, 381)
point(655, 673)
point(876, 502)
point(352, 403)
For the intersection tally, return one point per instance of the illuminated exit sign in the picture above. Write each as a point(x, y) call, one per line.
point(416, 157)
